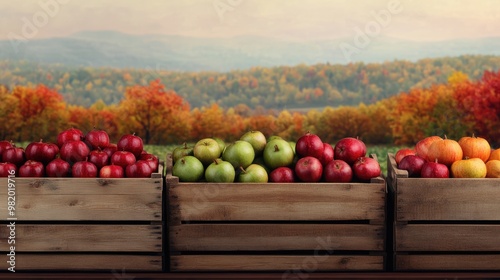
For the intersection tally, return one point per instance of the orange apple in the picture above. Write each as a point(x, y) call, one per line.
point(475, 147)
point(469, 168)
point(446, 151)
point(495, 154)
point(422, 146)
point(493, 169)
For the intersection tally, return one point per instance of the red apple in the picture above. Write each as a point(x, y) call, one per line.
point(337, 171)
point(4, 145)
point(97, 139)
point(282, 175)
point(434, 170)
point(57, 168)
point(365, 168)
point(42, 152)
point(32, 168)
point(84, 169)
point(309, 145)
point(99, 158)
point(309, 169)
point(413, 164)
point(131, 143)
point(110, 149)
point(401, 153)
point(349, 149)
point(71, 134)
point(7, 169)
point(123, 158)
point(422, 146)
point(328, 154)
point(14, 155)
point(74, 151)
point(151, 159)
point(111, 171)
point(140, 169)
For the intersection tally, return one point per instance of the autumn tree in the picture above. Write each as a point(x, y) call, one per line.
point(151, 112)
point(40, 113)
point(337, 123)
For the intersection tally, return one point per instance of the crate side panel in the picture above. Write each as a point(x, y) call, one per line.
point(289, 264)
point(84, 238)
point(264, 237)
point(87, 262)
point(95, 207)
point(435, 237)
point(225, 202)
point(448, 199)
point(447, 262)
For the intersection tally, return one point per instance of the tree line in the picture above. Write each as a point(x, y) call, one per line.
point(461, 106)
point(282, 87)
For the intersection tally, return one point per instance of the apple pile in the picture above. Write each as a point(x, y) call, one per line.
point(79, 155)
point(436, 157)
point(257, 159)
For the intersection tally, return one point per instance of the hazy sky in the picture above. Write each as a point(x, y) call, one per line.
point(290, 19)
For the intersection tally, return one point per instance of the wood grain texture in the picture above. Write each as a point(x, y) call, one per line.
point(453, 199)
point(447, 262)
point(298, 201)
point(74, 199)
point(84, 238)
point(435, 237)
point(287, 264)
point(268, 237)
point(90, 262)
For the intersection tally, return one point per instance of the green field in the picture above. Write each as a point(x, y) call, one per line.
point(380, 151)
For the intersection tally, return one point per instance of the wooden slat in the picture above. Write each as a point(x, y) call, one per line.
point(447, 262)
point(84, 186)
point(419, 237)
point(264, 237)
point(299, 201)
point(292, 266)
point(95, 207)
point(84, 238)
point(448, 199)
point(113, 262)
point(453, 199)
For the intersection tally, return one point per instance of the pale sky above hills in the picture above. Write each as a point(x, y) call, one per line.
point(425, 20)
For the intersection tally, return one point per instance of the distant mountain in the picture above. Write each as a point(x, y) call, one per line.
point(119, 50)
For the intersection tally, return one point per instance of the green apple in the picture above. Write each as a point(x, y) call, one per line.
point(278, 153)
point(207, 150)
point(188, 169)
point(292, 144)
point(257, 139)
point(181, 151)
point(239, 154)
point(221, 143)
point(273, 137)
point(254, 173)
point(220, 171)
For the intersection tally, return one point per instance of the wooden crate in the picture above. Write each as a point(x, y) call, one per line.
point(444, 224)
point(293, 227)
point(85, 224)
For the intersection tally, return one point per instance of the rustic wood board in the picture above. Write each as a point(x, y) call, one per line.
point(268, 202)
point(266, 237)
point(88, 262)
point(453, 199)
point(447, 262)
point(74, 199)
point(300, 263)
point(452, 237)
point(84, 238)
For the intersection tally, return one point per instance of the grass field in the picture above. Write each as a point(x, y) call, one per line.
point(380, 151)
